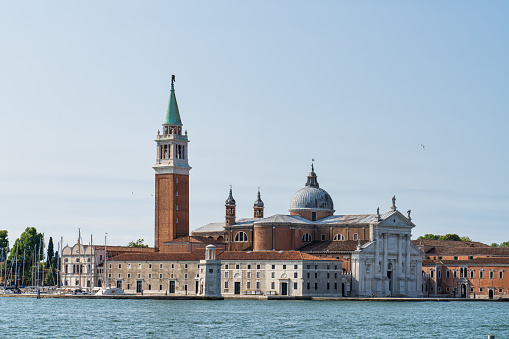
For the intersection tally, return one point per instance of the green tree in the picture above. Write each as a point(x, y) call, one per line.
point(494, 244)
point(137, 243)
point(453, 237)
point(26, 244)
point(50, 253)
point(429, 236)
point(465, 238)
point(4, 241)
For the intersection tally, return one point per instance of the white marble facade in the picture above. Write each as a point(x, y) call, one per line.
point(389, 264)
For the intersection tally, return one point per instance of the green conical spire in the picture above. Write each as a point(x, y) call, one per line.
point(172, 112)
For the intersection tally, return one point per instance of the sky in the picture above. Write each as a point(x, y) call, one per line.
point(263, 87)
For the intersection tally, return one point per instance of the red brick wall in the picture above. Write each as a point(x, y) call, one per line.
point(171, 223)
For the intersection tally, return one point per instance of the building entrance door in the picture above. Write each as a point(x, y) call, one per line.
point(343, 290)
point(490, 294)
point(284, 288)
point(463, 291)
point(237, 287)
point(389, 275)
point(139, 286)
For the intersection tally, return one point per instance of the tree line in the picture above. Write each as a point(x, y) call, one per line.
point(28, 261)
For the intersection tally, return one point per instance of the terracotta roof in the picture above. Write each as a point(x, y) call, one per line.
point(196, 239)
point(269, 255)
point(199, 254)
point(125, 249)
point(332, 246)
point(196, 255)
point(499, 251)
point(486, 261)
point(448, 243)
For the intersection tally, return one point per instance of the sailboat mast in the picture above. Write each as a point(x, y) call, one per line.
point(23, 263)
point(42, 260)
point(60, 261)
point(16, 269)
point(105, 260)
point(90, 267)
point(79, 255)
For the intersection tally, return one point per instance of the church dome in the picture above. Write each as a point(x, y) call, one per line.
point(311, 197)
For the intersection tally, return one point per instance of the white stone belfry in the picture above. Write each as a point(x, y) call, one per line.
point(210, 274)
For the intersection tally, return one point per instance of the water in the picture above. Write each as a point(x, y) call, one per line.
point(54, 318)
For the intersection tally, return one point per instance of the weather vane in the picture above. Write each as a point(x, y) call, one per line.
point(312, 165)
point(172, 80)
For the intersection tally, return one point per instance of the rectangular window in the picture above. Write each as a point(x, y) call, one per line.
point(258, 275)
point(355, 236)
point(150, 275)
point(160, 287)
point(272, 285)
point(160, 275)
point(128, 265)
point(149, 265)
point(481, 274)
point(119, 275)
point(447, 289)
point(480, 289)
point(316, 285)
point(316, 275)
point(294, 286)
point(109, 275)
point(284, 267)
point(249, 275)
point(273, 275)
point(500, 274)
point(308, 285)
point(328, 286)
point(308, 266)
point(295, 275)
point(172, 286)
point(226, 274)
point(211, 270)
point(471, 257)
point(248, 267)
point(139, 266)
point(431, 274)
point(472, 274)
point(171, 276)
point(237, 266)
point(225, 266)
point(455, 258)
point(257, 285)
point(294, 267)
point(172, 266)
point(248, 285)
point(447, 273)
point(439, 273)
point(119, 265)
point(226, 284)
point(185, 266)
point(308, 275)
point(258, 266)
point(471, 289)
point(439, 289)
point(160, 266)
point(185, 276)
point(500, 290)
point(139, 276)
point(110, 266)
point(273, 267)
point(454, 274)
point(491, 274)
point(128, 275)
point(323, 237)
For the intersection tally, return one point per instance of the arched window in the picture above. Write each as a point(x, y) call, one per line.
point(241, 236)
point(338, 237)
point(306, 237)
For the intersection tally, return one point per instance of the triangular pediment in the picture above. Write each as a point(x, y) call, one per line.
point(395, 219)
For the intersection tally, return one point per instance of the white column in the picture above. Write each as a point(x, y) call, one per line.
point(384, 265)
point(407, 263)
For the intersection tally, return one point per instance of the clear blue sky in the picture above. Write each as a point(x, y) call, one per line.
point(263, 87)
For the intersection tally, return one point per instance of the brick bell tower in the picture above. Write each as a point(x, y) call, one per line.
point(172, 178)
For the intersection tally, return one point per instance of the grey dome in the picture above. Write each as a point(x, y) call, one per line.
point(311, 198)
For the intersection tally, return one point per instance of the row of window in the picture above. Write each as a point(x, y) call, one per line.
point(186, 266)
point(172, 276)
point(242, 237)
point(455, 289)
point(463, 273)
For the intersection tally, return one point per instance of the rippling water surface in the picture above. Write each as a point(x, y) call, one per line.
point(29, 317)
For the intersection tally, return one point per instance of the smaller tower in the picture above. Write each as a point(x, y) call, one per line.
point(258, 206)
point(230, 209)
point(210, 274)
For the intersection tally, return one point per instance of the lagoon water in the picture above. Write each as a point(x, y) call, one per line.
point(57, 318)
